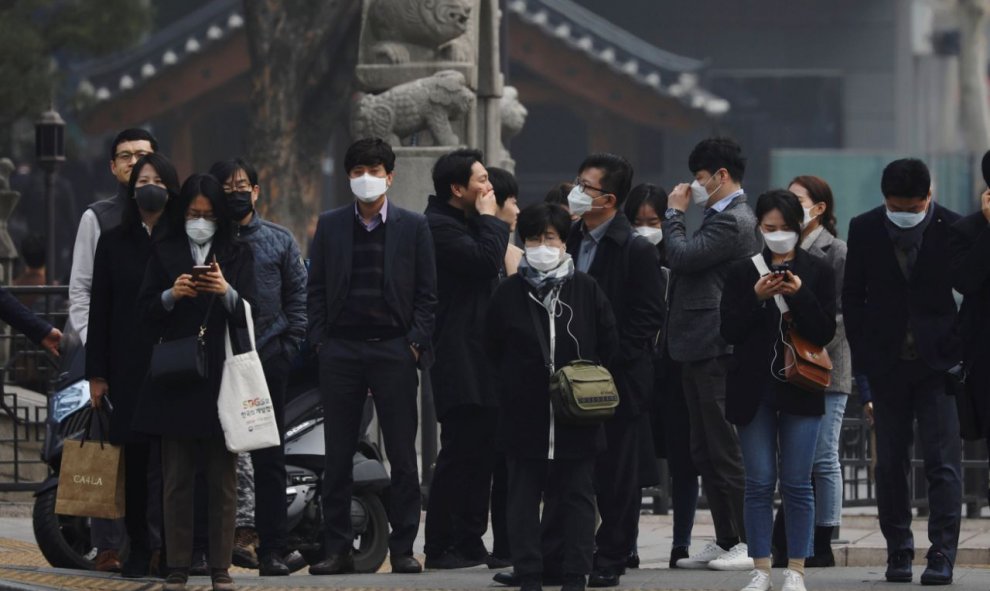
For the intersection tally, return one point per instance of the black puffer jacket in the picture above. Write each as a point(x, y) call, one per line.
point(281, 288)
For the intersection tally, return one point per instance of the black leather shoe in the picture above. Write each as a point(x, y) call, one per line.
point(272, 565)
point(573, 583)
point(939, 571)
point(632, 561)
point(497, 562)
point(451, 560)
point(295, 561)
point(899, 566)
point(406, 565)
point(335, 564)
point(677, 553)
point(509, 579)
point(603, 578)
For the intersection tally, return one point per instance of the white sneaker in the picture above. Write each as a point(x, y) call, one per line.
point(759, 582)
point(710, 552)
point(737, 558)
point(793, 581)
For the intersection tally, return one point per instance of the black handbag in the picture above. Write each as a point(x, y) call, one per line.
point(182, 361)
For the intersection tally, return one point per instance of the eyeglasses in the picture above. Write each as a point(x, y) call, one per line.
point(201, 216)
point(125, 157)
point(240, 187)
point(585, 186)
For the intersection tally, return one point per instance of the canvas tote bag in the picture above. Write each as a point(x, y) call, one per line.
point(247, 414)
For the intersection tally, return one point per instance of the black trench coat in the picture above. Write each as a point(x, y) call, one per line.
point(522, 380)
point(118, 347)
point(190, 411)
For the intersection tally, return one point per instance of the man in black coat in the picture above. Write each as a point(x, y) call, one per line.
point(970, 270)
point(470, 243)
point(900, 319)
point(627, 268)
point(371, 301)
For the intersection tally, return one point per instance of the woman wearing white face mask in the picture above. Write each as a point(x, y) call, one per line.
point(765, 408)
point(669, 420)
point(584, 328)
point(175, 305)
point(818, 237)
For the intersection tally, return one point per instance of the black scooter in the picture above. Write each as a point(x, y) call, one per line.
point(65, 540)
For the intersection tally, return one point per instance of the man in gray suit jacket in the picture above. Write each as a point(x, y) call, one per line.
point(699, 264)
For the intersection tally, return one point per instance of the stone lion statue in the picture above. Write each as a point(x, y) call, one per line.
point(513, 113)
point(425, 104)
point(420, 30)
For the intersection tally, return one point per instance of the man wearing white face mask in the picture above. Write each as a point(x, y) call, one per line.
point(900, 319)
point(626, 266)
point(371, 302)
point(699, 264)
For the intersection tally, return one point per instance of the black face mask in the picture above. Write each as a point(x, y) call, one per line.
point(151, 198)
point(239, 204)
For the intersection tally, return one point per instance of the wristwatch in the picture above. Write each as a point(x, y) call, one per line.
point(672, 213)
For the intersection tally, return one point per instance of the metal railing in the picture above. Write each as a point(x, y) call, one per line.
point(27, 375)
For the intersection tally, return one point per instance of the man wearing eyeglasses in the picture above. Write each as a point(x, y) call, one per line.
point(281, 322)
point(627, 268)
point(129, 145)
point(102, 216)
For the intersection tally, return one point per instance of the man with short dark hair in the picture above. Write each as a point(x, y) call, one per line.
point(127, 148)
point(699, 264)
point(281, 320)
point(900, 318)
point(470, 242)
point(627, 268)
point(507, 197)
point(372, 296)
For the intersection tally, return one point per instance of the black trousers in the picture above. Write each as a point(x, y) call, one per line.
point(715, 445)
point(457, 512)
point(500, 508)
point(348, 370)
point(912, 391)
point(563, 543)
point(136, 459)
point(617, 473)
point(269, 468)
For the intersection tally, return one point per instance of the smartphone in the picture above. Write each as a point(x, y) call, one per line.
point(200, 270)
point(780, 269)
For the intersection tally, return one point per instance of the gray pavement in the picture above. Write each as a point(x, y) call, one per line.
point(860, 554)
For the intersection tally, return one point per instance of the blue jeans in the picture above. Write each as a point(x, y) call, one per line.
point(797, 436)
point(826, 470)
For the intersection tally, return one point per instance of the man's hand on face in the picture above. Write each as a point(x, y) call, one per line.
point(486, 204)
point(680, 197)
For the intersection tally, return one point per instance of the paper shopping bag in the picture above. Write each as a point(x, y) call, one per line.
point(91, 478)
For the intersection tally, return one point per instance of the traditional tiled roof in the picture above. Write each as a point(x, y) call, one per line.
point(668, 73)
point(193, 33)
point(581, 29)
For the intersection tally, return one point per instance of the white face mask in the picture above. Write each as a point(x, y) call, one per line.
point(781, 241)
point(543, 258)
point(654, 235)
point(906, 219)
point(699, 192)
point(579, 202)
point(808, 218)
point(200, 230)
point(368, 188)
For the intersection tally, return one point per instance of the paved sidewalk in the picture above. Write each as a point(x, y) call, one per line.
point(860, 553)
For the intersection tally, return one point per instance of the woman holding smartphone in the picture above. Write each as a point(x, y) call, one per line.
point(175, 306)
point(117, 351)
point(777, 421)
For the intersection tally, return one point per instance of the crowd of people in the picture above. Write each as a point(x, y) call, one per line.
point(701, 333)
